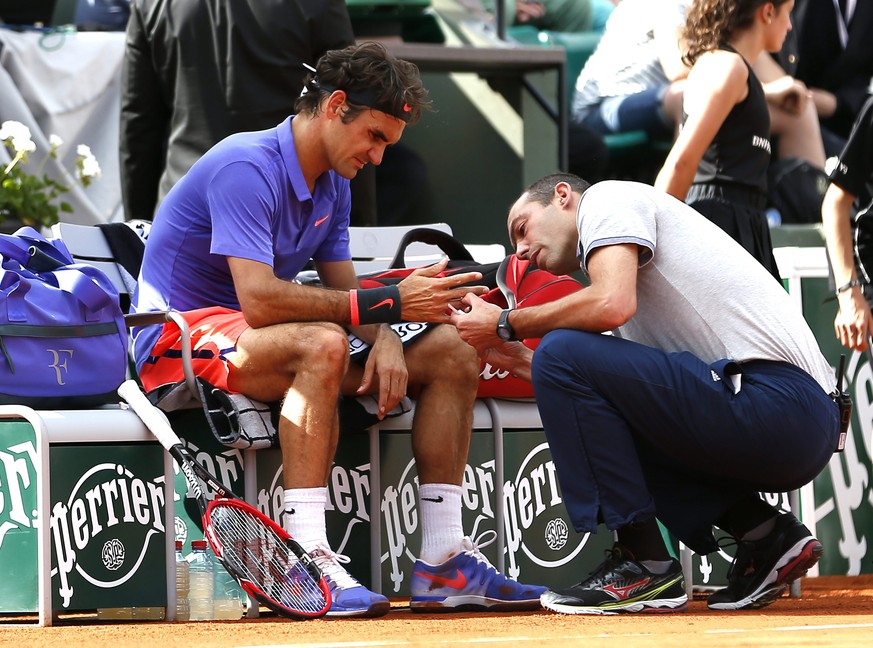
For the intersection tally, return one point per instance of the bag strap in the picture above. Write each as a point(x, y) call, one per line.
point(14, 247)
point(451, 246)
point(90, 285)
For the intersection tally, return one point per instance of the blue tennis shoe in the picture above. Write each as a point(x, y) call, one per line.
point(349, 597)
point(467, 581)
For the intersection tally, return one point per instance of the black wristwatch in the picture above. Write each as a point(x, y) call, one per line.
point(504, 329)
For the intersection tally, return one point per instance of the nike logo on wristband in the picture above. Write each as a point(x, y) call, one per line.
point(321, 220)
point(437, 499)
point(388, 301)
point(458, 582)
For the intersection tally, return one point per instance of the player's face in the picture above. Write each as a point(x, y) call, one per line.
point(362, 141)
point(779, 27)
point(544, 235)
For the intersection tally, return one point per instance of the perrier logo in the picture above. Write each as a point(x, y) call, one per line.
point(103, 530)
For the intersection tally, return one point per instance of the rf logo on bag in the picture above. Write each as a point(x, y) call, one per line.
point(59, 362)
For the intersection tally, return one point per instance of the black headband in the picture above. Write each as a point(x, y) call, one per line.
point(369, 99)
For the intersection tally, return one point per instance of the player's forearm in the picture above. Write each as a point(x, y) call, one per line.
point(838, 233)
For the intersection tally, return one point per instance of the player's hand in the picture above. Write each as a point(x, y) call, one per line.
point(476, 322)
point(424, 297)
point(854, 322)
point(386, 367)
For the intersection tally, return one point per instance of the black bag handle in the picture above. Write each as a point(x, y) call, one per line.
point(451, 246)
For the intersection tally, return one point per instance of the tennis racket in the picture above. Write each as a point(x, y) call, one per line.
point(267, 563)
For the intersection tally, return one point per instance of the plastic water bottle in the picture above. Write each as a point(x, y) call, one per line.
point(201, 582)
point(227, 597)
point(183, 585)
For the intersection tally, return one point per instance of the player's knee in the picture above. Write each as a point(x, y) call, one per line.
point(328, 351)
point(459, 361)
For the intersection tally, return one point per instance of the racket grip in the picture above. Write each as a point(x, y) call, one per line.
point(153, 418)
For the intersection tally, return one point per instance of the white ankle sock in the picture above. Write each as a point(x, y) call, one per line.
point(304, 515)
point(441, 527)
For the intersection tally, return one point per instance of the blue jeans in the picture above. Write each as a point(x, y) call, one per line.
point(640, 111)
point(636, 432)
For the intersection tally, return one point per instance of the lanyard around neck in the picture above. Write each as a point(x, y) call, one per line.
point(843, 20)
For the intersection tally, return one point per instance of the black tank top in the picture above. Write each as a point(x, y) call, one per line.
point(740, 152)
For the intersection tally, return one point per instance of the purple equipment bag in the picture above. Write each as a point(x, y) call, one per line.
point(63, 342)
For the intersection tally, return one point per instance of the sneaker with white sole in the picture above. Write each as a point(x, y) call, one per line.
point(349, 597)
point(763, 569)
point(467, 581)
point(622, 584)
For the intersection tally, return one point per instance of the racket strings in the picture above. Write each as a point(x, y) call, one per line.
point(260, 555)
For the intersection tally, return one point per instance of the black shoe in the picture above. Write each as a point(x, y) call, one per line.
point(621, 584)
point(763, 569)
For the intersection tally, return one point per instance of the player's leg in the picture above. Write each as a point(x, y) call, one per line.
point(451, 573)
point(303, 364)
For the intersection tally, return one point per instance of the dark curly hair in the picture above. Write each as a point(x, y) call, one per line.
point(711, 23)
point(371, 77)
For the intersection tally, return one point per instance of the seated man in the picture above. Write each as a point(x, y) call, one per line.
point(711, 389)
point(225, 245)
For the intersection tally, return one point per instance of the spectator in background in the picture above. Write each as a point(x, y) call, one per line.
point(831, 51)
point(636, 78)
point(851, 191)
point(554, 15)
point(196, 71)
point(719, 161)
point(633, 79)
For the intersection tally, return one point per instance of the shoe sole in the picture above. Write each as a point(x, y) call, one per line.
point(786, 571)
point(375, 610)
point(655, 606)
point(473, 604)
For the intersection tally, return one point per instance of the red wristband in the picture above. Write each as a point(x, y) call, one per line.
point(353, 305)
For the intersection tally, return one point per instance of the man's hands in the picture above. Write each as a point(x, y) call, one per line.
point(424, 297)
point(526, 10)
point(387, 364)
point(477, 326)
point(477, 323)
point(854, 322)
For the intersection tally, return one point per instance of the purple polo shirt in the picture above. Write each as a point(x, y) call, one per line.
point(246, 197)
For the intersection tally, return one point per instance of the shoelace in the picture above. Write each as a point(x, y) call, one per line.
point(484, 539)
point(739, 564)
point(330, 563)
point(472, 547)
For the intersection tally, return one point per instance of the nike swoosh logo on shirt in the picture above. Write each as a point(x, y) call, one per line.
point(459, 581)
point(388, 301)
point(321, 220)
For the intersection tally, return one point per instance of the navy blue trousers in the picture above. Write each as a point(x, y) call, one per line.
point(636, 432)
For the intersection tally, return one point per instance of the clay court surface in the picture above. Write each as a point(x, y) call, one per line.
point(833, 611)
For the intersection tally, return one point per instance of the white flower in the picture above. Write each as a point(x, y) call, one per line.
point(14, 130)
point(55, 141)
point(84, 150)
point(19, 136)
point(89, 167)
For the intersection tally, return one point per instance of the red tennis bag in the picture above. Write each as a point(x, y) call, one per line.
point(518, 286)
point(513, 282)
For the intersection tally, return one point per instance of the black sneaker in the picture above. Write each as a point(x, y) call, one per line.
point(763, 569)
point(621, 584)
